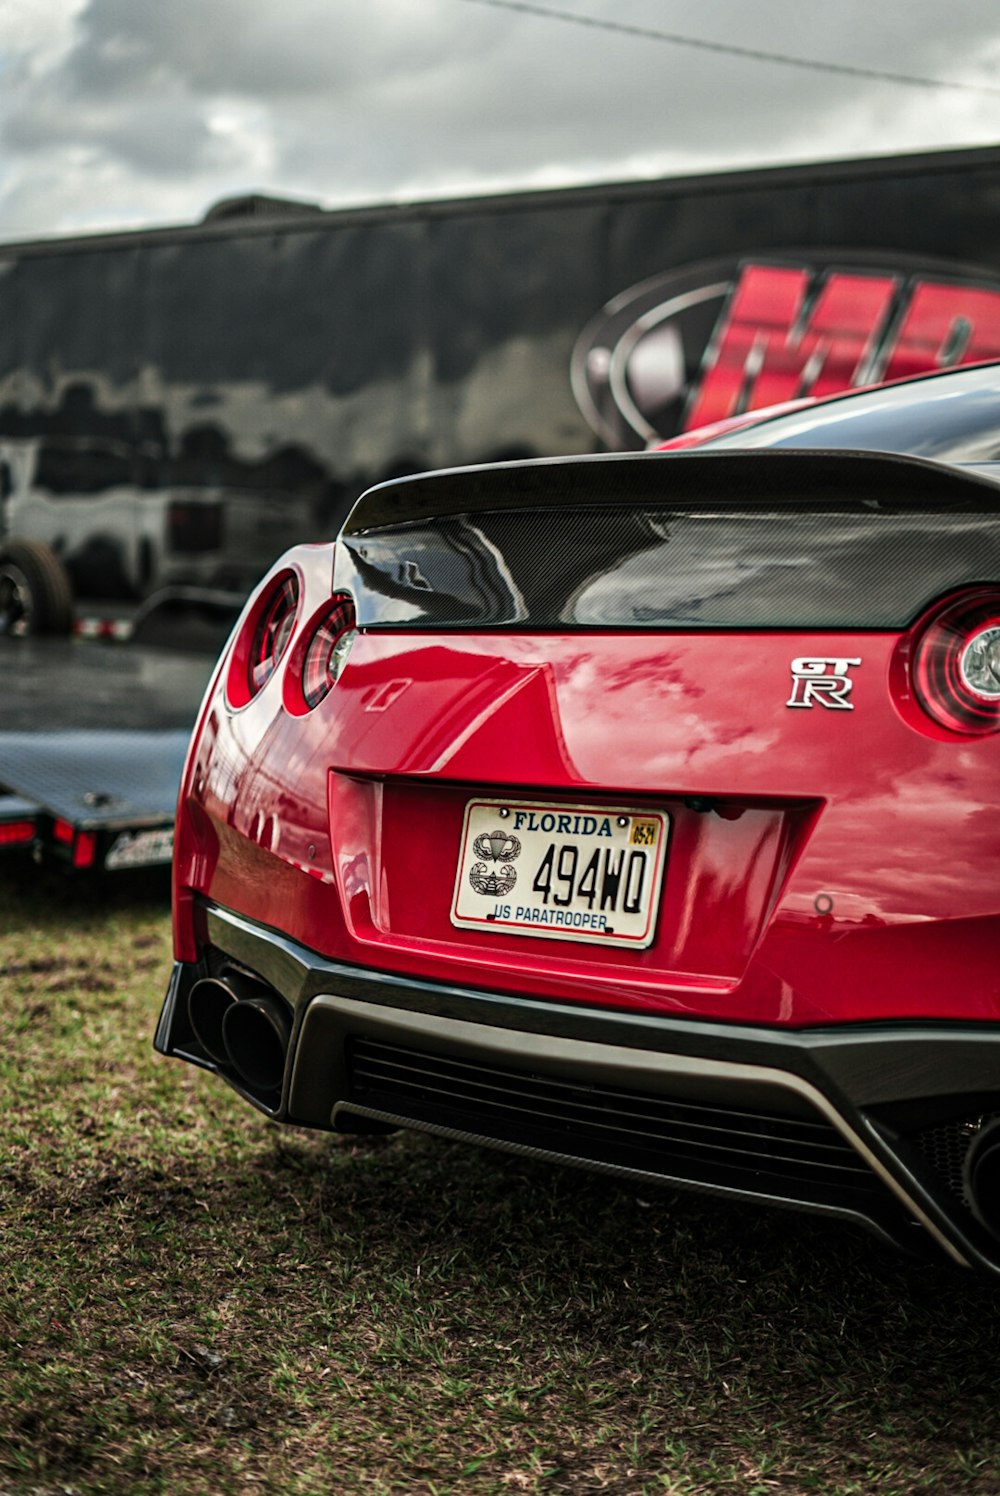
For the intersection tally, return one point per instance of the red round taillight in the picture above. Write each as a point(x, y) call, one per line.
point(273, 631)
point(263, 639)
point(319, 656)
point(956, 664)
point(327, 650)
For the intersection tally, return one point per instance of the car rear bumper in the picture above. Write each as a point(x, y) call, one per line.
point(867, 1122)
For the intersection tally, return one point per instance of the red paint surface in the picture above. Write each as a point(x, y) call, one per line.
point(848, 870)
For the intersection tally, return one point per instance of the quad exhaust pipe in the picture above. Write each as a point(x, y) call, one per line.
point(243, 1026)
point(255, 1032)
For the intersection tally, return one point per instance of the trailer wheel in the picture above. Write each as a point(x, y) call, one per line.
point(35, 594)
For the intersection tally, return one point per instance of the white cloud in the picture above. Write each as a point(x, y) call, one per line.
point(128, 111)
point(35, 37)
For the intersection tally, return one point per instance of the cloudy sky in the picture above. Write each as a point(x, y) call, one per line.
point(126, 112)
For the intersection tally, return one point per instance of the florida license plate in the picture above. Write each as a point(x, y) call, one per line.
point(570, 872)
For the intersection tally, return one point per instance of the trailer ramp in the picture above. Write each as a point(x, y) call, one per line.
point(92, 745)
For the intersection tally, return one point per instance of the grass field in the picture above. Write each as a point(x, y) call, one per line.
point(192, 1300)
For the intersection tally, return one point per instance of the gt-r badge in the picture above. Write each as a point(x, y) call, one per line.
point(823, 679)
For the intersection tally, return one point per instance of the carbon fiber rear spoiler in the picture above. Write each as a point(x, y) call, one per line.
point(774, 539)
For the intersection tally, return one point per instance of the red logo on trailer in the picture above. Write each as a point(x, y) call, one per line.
point(714, 340)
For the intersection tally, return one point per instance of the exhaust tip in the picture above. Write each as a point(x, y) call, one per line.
point(255, 1032)
point(982, 1176)
point(208, 1003)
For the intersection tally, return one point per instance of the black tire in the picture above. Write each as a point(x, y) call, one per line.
point(35, 595)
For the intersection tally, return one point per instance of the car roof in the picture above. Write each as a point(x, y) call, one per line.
point(948, 415)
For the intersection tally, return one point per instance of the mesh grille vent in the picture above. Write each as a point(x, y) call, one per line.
point(789, 1157)
point(945, 1146)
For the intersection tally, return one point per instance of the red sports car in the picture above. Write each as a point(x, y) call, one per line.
point(637, 812)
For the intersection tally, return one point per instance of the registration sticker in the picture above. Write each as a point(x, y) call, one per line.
point(569, 872)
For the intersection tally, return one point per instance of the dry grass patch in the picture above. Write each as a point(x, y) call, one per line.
point(193, 1300)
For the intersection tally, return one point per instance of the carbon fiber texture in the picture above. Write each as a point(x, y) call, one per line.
point(785, 539)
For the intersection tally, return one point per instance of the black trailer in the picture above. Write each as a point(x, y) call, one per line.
point(178, 405)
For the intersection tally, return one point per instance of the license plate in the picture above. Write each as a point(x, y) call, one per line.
point(141, 849)
point(569, 872)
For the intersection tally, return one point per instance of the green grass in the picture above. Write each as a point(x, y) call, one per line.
point(193, 1300)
